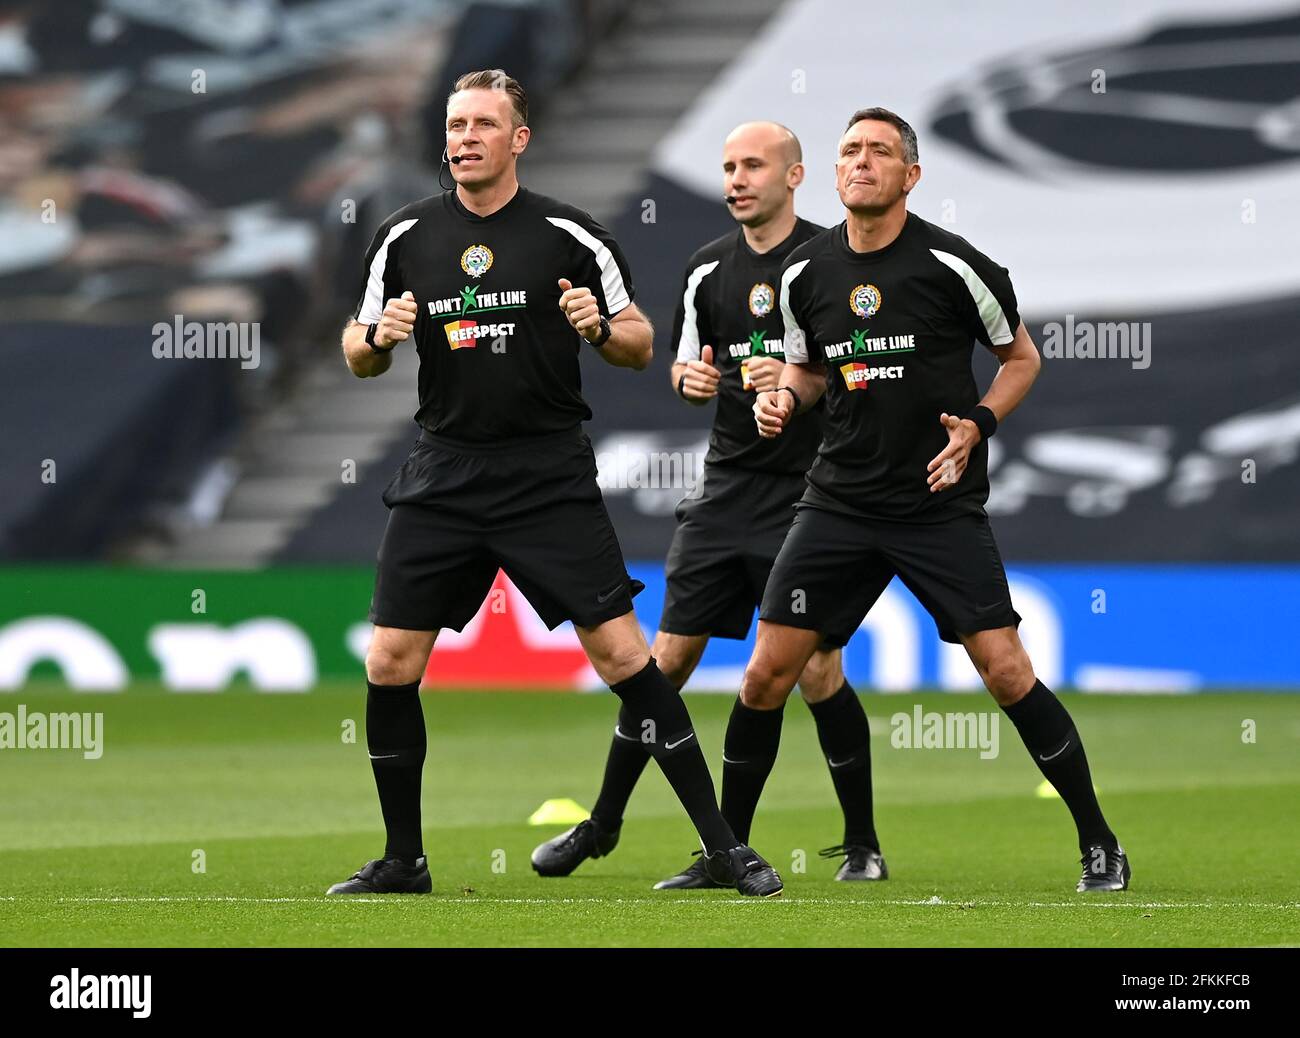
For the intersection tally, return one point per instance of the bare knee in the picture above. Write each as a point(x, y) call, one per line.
point(616, 648)
point(615, 661)
point(822, 677)
point(767, 685)
point(621, 664)
point(394, 665)
point(677, 656)
point(675, 669)
point(780, 654)
point(1002, 663)
point(1008, 675)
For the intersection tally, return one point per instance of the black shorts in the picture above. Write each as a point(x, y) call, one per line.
point(458, 515)
point(833, 567)
point(726, 541)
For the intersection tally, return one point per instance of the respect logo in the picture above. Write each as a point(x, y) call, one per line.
point(461, 334)
point(857, 376)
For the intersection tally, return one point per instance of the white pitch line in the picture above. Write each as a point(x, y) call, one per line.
point(487, 900)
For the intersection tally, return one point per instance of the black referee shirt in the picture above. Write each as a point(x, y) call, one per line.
point(895, 329)
point(498, 357)
point(729, 302)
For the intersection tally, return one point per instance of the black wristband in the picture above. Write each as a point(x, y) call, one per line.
point(985, 420)
point(797, 402)
point(681, 386)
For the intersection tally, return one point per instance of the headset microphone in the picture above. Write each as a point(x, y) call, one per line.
point(730, 199)
point(442, 166)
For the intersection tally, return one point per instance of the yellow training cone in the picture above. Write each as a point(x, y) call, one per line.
point(1046, 791)
point(559, 812)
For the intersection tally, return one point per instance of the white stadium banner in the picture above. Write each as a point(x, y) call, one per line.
point(1112, 229)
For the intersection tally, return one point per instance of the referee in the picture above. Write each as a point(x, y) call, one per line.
point(881, 314)
point(501, 290)
point(728, 335)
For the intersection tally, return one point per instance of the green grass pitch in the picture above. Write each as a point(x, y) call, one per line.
point(102, 852)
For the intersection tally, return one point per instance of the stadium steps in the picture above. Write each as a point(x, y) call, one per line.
point(291, 461)
point(599, 135)
point(276, 497)
point(593, 144)
point(229, 544)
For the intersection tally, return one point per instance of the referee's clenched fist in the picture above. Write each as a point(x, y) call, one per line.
point(397, 323)
point(699, 380)
point(581, 308)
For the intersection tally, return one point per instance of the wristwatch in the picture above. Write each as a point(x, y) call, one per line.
point(370, 341)
point(605, 332)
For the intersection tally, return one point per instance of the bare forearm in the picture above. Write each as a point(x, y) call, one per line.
point(1019, 365)
point(630, 343)
point(362, 360)
point(678, 370)
point(808, 382)
point(1010, 386)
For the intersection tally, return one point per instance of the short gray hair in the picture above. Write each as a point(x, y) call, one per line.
point(903, 127)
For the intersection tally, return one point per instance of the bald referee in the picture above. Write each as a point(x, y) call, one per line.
point(727, 334)
point(881, 315)
point(501, 291)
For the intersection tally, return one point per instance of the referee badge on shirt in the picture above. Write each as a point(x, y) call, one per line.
point(864, 300)
point(476, 260)
point(761, 298)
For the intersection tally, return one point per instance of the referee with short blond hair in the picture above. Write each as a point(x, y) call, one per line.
point(501, 291)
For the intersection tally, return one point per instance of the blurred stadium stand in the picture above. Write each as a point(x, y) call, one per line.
point(127, 197)
point(154, 425)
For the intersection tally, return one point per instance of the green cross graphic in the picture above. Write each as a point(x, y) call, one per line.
point(468, 298)
point(859, 337)
point(756, 344)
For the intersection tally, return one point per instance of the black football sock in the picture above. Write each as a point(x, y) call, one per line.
point(845, 737)
point(397, 741)
point(753, 737)
point(627, 759)
point(657, 709)
point(1048, 733)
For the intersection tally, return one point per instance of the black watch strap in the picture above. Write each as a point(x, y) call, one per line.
point(605, 331)
point(370, 340)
